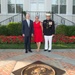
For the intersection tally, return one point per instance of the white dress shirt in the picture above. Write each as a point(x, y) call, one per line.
point(28, 21)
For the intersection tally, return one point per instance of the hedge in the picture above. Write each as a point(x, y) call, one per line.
point(4, 30)
point(65, 30)
point(70, 30)
point(14, 28)
point(61, 29)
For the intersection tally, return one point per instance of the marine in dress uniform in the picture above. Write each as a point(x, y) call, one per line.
point(49, 31)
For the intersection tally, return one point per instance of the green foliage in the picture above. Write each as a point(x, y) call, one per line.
point(11, 29)
point(3, 30)
point(70, 30)
point(33, 45)
point(61, 29)
point(66, 30)
point(14, 28)
point(24, 12)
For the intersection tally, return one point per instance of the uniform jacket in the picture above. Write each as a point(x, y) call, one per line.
point(48, 27)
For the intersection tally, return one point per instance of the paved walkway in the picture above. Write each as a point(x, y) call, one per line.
point(12, 60)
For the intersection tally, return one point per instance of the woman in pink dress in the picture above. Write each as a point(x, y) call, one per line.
point(38, 32)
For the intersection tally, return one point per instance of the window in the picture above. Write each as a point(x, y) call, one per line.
point(62, 6)
point(19, 1)
point(11, 8)
point(19, 6)
point(42, 7)
point(33, 6)
point(0, 6)
point(37, 5)
point(59, 6)
point(11, 1)
point(55, 6)
point(73, 6)
point(15, 6)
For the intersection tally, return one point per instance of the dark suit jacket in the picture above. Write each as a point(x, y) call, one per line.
point(50, 30)
point(27, 30)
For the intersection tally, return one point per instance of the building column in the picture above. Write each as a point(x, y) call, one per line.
point(4, 8)
point(69, 7)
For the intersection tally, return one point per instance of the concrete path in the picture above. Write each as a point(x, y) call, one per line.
point(14, 59)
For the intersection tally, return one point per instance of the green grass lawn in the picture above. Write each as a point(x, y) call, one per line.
point(21, 46)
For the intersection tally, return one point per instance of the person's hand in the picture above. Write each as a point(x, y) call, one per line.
point(23, 35)
point(43, 34)
point(32, 35)
point(53, 35)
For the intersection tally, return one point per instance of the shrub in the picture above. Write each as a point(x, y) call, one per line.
point(4, 30)
point(70, 30)
point(15, 28)
point(61, 29)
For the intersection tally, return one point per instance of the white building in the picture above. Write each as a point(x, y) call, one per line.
point(64, 8)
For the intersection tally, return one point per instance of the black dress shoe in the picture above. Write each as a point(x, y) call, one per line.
point(49, 51)
point(26, 51)
point(30, 50)
point(45, 50)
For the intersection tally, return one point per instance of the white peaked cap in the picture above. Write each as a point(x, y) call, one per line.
point(48, 14)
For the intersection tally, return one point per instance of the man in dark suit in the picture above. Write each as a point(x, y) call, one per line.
point(27, 29)
point(49, 31)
